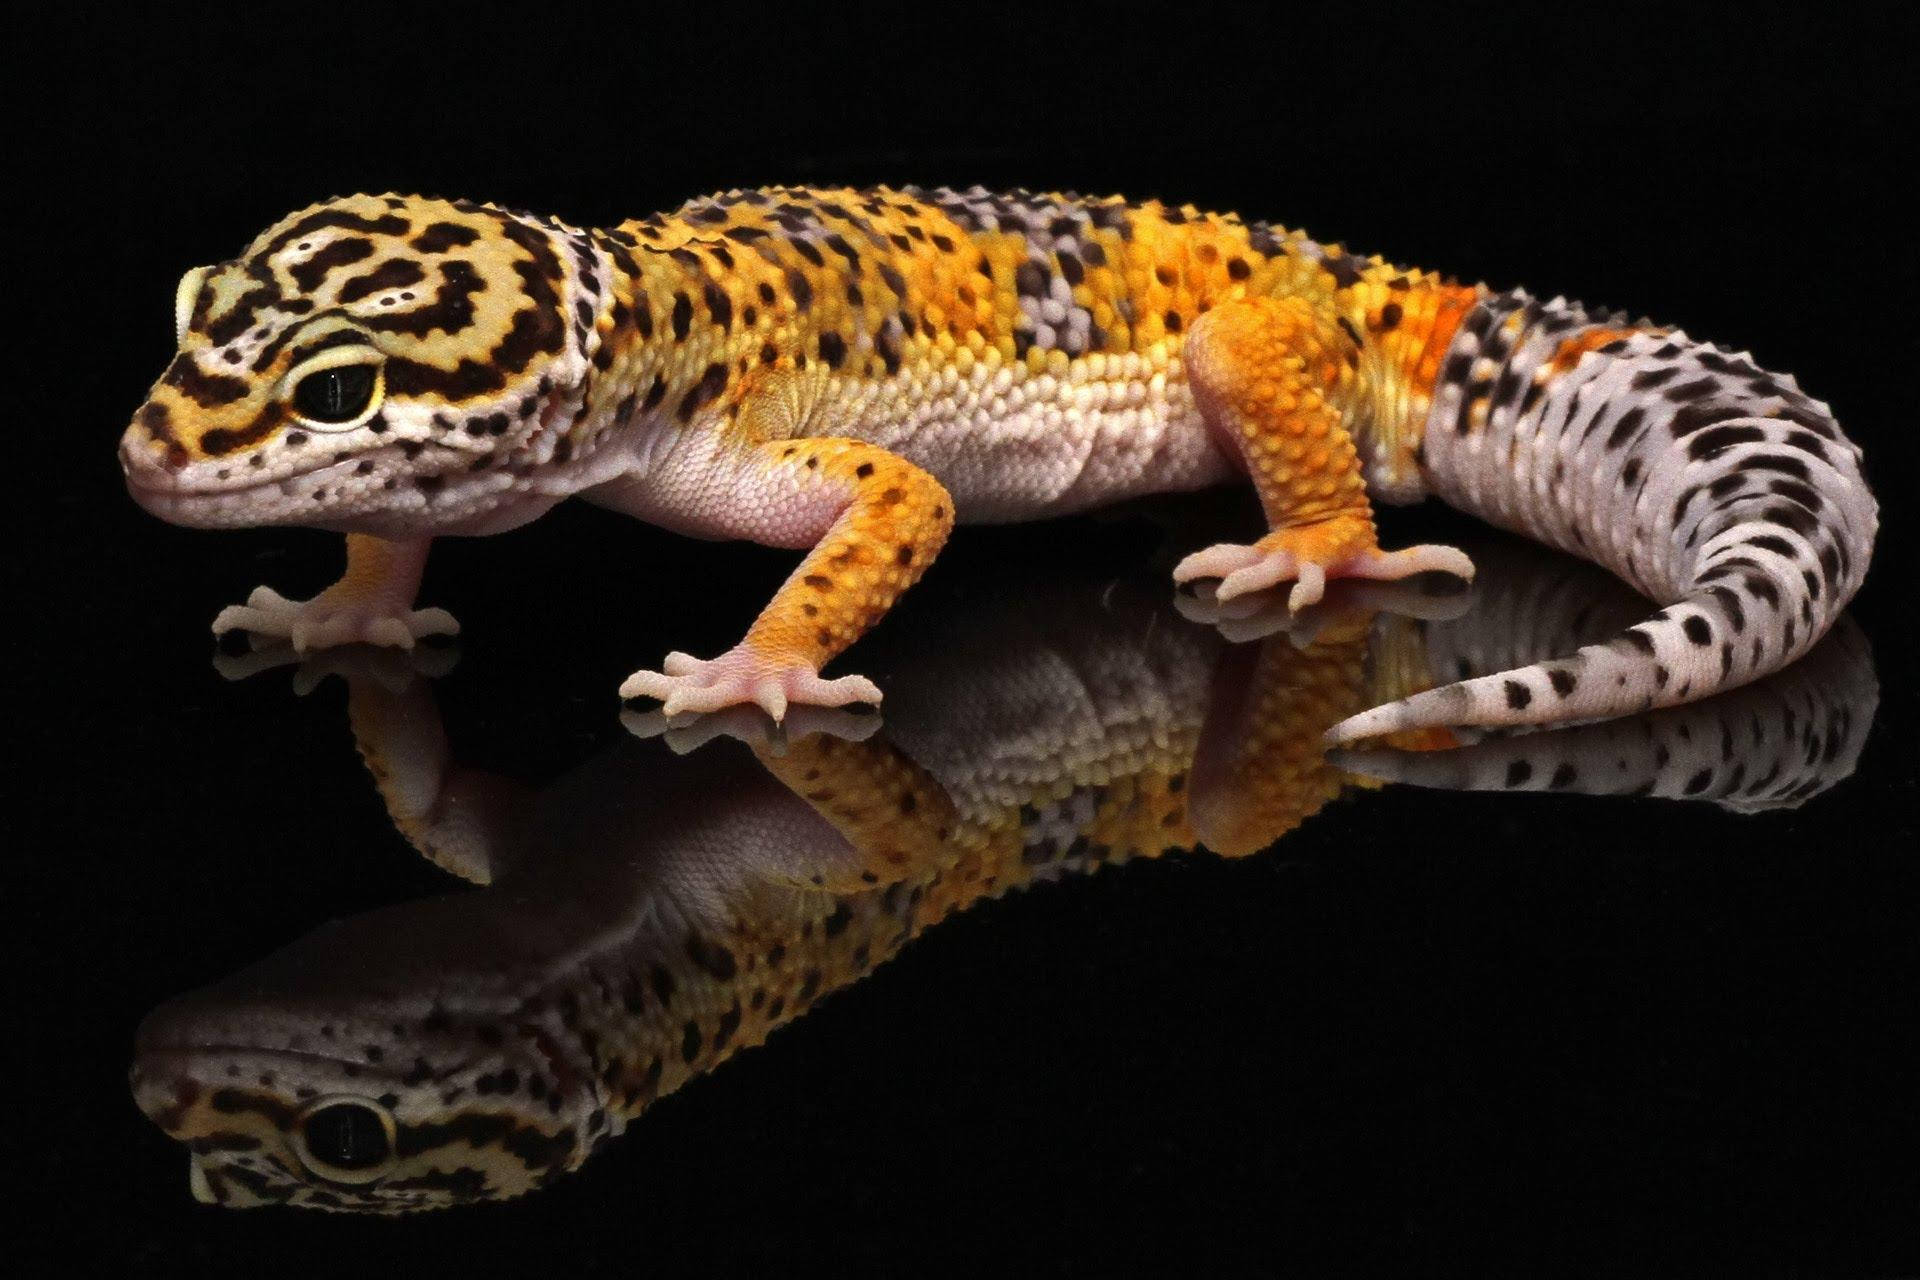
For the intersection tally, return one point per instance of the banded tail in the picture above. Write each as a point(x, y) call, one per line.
point(1713, 487)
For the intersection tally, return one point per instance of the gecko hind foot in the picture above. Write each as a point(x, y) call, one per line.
point(743, 675)
point(324, 623)
point(1311, 555)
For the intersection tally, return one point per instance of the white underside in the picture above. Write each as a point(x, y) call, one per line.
point(1010, 444)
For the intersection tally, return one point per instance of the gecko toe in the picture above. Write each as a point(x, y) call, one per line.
point(1265, 571)
point(391, 632)
point(333, 618)
point(1218, 561)
point(1309, 586)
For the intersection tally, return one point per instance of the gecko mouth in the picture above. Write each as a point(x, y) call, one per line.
point(351, 485)
point(166, 1077)
point(144, 477)
point(177, 1051)
point(170, 1061)
point(144, 486)
point(206, 505)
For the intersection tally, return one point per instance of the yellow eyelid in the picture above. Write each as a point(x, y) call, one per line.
point(185, 294)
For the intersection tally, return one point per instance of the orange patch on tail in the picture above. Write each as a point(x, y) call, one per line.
point(1450, 307)
point(1570, 351)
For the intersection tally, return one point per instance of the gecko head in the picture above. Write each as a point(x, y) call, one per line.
point(368, 363)
point(340, 1074)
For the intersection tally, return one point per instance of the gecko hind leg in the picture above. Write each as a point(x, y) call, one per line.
point(1269, 375)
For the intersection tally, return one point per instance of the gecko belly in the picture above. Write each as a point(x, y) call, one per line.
point(1013, 444)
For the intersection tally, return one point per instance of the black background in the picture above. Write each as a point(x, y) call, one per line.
point(1431, 1035)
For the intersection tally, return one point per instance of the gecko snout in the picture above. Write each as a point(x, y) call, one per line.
point(147, 466)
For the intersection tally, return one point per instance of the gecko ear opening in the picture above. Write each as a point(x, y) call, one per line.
point(185, 295)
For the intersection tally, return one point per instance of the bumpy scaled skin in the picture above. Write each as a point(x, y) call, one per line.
point(851, 371)
point(1269, 376)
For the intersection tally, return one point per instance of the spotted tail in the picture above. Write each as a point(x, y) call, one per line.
point(1713, 487)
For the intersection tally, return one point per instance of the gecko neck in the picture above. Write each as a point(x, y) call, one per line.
point(674, 335)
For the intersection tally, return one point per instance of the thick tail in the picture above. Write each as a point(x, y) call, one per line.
point(1711, 486)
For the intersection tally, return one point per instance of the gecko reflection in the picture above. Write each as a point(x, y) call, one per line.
point(649, 915)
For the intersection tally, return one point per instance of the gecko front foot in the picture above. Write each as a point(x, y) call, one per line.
point(743, 675)
point(1309, 555)
point(328, 620)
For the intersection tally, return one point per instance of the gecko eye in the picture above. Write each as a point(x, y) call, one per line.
point(346, 1139)
point(338, 389)
point(335, 395)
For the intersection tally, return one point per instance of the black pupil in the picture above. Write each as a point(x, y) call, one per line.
point(334, 395)
point(346, 1136)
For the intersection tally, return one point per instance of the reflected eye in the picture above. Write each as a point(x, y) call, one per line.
point(347, 1141)
point(337, 395)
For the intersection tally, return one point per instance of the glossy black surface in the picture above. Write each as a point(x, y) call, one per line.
point(1432, 1033)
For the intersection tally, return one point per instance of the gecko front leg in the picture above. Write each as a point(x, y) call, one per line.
point(874, 522)
point(372, 603)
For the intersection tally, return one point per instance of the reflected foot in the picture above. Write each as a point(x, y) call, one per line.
point(1259, 614)
point(743, 675)
point(331, 619)
point(688, 732)
point(393, 670)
